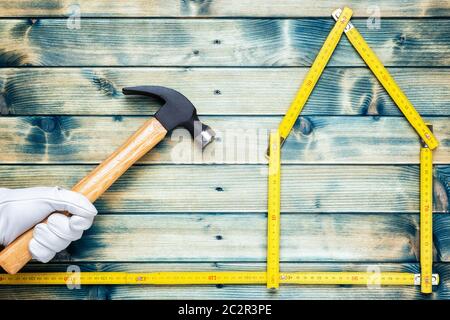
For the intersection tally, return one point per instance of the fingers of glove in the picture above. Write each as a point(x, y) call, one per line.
point(59, 224)
point(80, 223)
point(48, 239)
point(40, 252)
point(53, 236)
point(74, 202)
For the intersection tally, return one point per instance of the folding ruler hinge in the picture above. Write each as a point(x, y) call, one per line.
point(434, 279)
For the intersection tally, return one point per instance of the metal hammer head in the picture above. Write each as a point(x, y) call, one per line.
point(177, 111)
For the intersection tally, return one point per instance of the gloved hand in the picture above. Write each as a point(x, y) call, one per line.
point(21, 209)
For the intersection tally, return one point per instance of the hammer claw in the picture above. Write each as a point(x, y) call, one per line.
point(177, 111)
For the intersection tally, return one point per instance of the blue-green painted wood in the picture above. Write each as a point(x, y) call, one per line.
point(214, 42)
point(243, 188)
point(221, 8)
point(218, 91)
point(242, 237)
point(240, 140)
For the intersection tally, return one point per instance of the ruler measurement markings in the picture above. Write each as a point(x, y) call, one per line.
point(388, 82)
point(213, 278)
point(313, 75)
point(426, 218)
point(273, 212)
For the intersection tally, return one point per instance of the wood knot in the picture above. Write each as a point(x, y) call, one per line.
point(373, 105)
point(105, 86)
point(48, 135)
point(305, 126)
point(33, 21)
point(401, 39)
point(47, 124)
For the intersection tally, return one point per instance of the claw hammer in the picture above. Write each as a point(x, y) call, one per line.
point(177, 111)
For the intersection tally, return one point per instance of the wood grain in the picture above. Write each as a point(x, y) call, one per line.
point(242, 188)
point(218, 91)
point(242, 237)
point(214, 42)
point(219, 8)
point(241, 139)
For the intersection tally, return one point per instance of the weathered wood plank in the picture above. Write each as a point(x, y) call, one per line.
point(214, 42)
point(314, 139)
point(242, 188)
point(229, 291)
point(220, 8)
point(242, 237)
point(218, 91)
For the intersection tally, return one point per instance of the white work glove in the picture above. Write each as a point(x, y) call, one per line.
point(21, 209)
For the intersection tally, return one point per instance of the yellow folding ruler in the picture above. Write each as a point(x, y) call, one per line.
point(273, 212)
point(426, 216)
point(313, 75)
point(426, 279)
point(382, 74)
point(211, 278)
point(288, 121)
point(389, 84)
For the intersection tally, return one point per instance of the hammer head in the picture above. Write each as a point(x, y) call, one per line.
point(177, 111)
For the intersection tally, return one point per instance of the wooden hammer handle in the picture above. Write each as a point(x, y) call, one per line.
point(16, 254)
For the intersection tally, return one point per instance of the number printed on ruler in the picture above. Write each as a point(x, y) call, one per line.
point(314, 74)
point(273, 212)
point(426, 219)
point(212, 277)
point(392, 88)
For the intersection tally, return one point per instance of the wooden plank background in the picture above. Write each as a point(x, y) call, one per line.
point(350, 179)
point(214, 42)
point(218, 8)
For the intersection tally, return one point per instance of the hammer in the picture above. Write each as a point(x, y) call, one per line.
point(177, 111)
